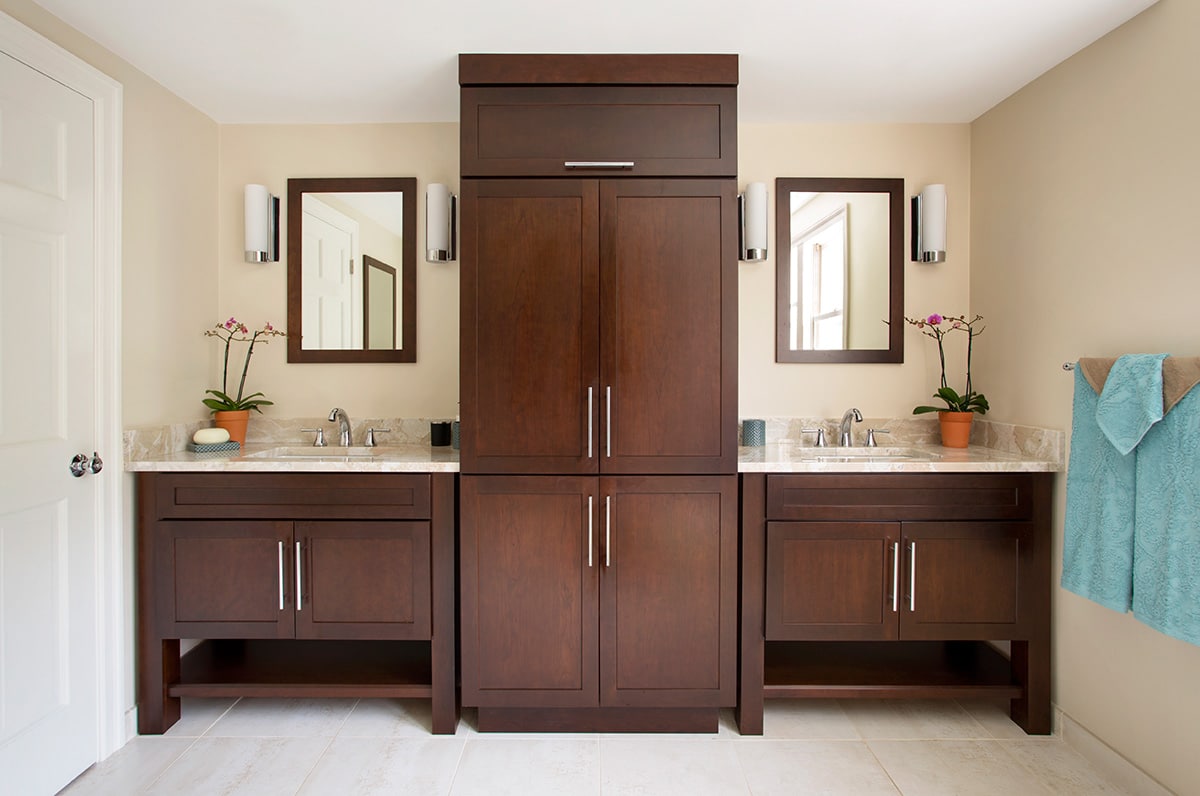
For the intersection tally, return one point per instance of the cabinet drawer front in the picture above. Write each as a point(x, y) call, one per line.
point(364, 580)
point(657, 130)
point(387, 496)
point(900, 496)
point(829, 580)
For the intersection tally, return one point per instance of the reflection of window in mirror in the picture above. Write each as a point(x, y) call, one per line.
point(818, 300)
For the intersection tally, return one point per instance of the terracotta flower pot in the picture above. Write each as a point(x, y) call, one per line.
point(956, 428)
point(233, 422)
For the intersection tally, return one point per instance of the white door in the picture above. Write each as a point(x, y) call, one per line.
point(49, 708)
point(331, 278)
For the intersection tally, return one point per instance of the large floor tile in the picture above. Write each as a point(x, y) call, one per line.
point(993, 717)
point(912, 719)
point(369, 766)
point(528, 767)
point(385, 718)
point(259, 766)
point(664, 766)
point(1061, 768)
point(955, 768)
point(799, 767)
point(283, 718)
point(197, 716)
point(132, 768)
point(814, 719)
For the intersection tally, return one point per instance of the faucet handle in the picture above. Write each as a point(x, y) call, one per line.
point(820, 432)
point(319, 442)
point(370, 441)
point(871, 432)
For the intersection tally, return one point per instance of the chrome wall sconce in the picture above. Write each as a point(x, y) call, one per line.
point(929, 225)
point(441, 211)
point(262, 225)
point(752, 223)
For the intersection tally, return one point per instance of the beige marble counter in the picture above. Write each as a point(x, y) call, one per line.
point(266, 458)
point(792, 457)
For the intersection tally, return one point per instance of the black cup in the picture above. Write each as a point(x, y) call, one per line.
point(439, 433)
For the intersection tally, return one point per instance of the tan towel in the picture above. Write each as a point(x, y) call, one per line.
point(1180, 375)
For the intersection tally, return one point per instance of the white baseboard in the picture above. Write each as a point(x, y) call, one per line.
point(1111, 763)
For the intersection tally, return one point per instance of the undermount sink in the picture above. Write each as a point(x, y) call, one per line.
point(865, 454)
point(313, 452)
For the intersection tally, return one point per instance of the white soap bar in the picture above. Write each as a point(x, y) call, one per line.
point(210, 436)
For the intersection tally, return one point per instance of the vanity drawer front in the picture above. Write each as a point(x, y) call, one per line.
point(660, 130)
point(900, 496)
point(346, 496)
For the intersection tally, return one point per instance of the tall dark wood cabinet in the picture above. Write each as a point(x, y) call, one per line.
point(598, 513)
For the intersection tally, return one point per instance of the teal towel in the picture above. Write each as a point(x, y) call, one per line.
point(1166, 557)
point(1098, 526)
point(1132, 400)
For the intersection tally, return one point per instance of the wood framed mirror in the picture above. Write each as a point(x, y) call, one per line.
point(839, 269)
point(352, 269)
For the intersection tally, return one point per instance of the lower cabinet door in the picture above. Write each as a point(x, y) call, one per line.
point(529, 581)
point(668, 591)
point(362, 580)
point(833, 580)
point(224, 579)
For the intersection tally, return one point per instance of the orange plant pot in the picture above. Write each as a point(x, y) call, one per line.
point(235, 423)
point(956, 428)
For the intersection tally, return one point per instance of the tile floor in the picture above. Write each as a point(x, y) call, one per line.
point(370, 746)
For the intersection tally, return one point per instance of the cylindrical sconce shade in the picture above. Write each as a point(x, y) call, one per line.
point(439, 223)
point(929, 225)
point(262, 225)
point(753, 207)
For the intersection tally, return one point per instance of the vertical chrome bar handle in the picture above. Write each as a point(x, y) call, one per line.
point(608, 421)
point(896, 577)
point(589, 427)
point(299, 593)
point(607, 531)
point(912, 578)
point(589, 531)
point(280, 575)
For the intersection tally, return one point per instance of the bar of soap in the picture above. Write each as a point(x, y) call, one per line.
point(210, 436)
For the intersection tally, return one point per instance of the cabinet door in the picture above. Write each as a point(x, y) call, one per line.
point(668, 616)
point(529, 328)
point(668, 319)
point(224, 579)
point(362, 580)
point(962, 580)
point(832, 580)
point(529, 583)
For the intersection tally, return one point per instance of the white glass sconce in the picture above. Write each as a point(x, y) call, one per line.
point(752, 223)
point(262, 225)
point(929, 225)
point(441, 210)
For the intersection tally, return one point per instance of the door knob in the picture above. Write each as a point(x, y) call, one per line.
point(97, 464)
point(79, 464)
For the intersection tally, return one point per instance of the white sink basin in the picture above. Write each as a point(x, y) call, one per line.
point(309, 452)
point(899, 454)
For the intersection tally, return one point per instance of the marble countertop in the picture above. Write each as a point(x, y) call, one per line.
point(300, 459)
point(792, 457)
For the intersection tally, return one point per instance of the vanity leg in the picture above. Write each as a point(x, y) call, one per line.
point(158, 667)
point(445, 611)
point(1031, 668)
point(749, 711)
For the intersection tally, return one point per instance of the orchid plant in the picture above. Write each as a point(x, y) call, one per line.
point(232, 331)
point(938, 326)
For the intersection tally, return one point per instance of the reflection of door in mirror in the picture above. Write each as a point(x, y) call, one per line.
point(333, 295)
point(379, 304)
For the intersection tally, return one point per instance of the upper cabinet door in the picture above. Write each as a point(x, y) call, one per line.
point(668, 320)
point(529, 334)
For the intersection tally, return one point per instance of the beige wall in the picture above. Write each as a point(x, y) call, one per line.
point(1084, 192)
point(921, 154)
point(255, 293)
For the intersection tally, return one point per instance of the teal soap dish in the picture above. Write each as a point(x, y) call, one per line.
point(215, 448)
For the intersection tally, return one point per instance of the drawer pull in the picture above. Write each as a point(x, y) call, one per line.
point(299, 591)
point(598, 164)
point(608, 422)
point(281, 576)
point(607, 531)
point(589, 528)
point(589, 427)
point(912, 577)
point(896, 577)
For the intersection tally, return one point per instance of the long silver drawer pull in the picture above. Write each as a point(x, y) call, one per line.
point(896, 577)
point(912, 578)
point(589, 426)
point(281, 576)
point(608, 421)
point(589, 530)
point(598, 164)
point(299, 591)
point(607, 531)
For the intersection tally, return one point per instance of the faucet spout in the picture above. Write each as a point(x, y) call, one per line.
point(343, 421)
point(845, 437)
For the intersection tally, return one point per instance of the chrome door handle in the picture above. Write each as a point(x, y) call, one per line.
point(589, 426)
point(97, 465)
point(79, 465)
point(598, 164)
point(896, 577)
point(608, 421)
point(912, 578)
point(589, 531)
point(299, 591)
point(281, 576)
point(607, 531)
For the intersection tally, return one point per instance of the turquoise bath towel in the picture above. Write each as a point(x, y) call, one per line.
point(1166, 556)
point(1101, 476)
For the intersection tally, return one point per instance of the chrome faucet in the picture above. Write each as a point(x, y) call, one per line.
point(343, 421)
point(845, 437)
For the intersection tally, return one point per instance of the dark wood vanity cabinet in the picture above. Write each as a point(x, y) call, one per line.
point(314, 584)
point(892, 585)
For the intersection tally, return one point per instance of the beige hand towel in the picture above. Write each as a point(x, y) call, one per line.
point(1180, 375)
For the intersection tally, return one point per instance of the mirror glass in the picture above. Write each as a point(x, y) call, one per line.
point(839, 269)
point(352, 277)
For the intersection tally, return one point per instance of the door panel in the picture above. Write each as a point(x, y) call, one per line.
point(529, 326)
point(529, 596)
point(668, 320)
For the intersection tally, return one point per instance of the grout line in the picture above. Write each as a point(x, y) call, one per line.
point(167, 767)
point(315, 763)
